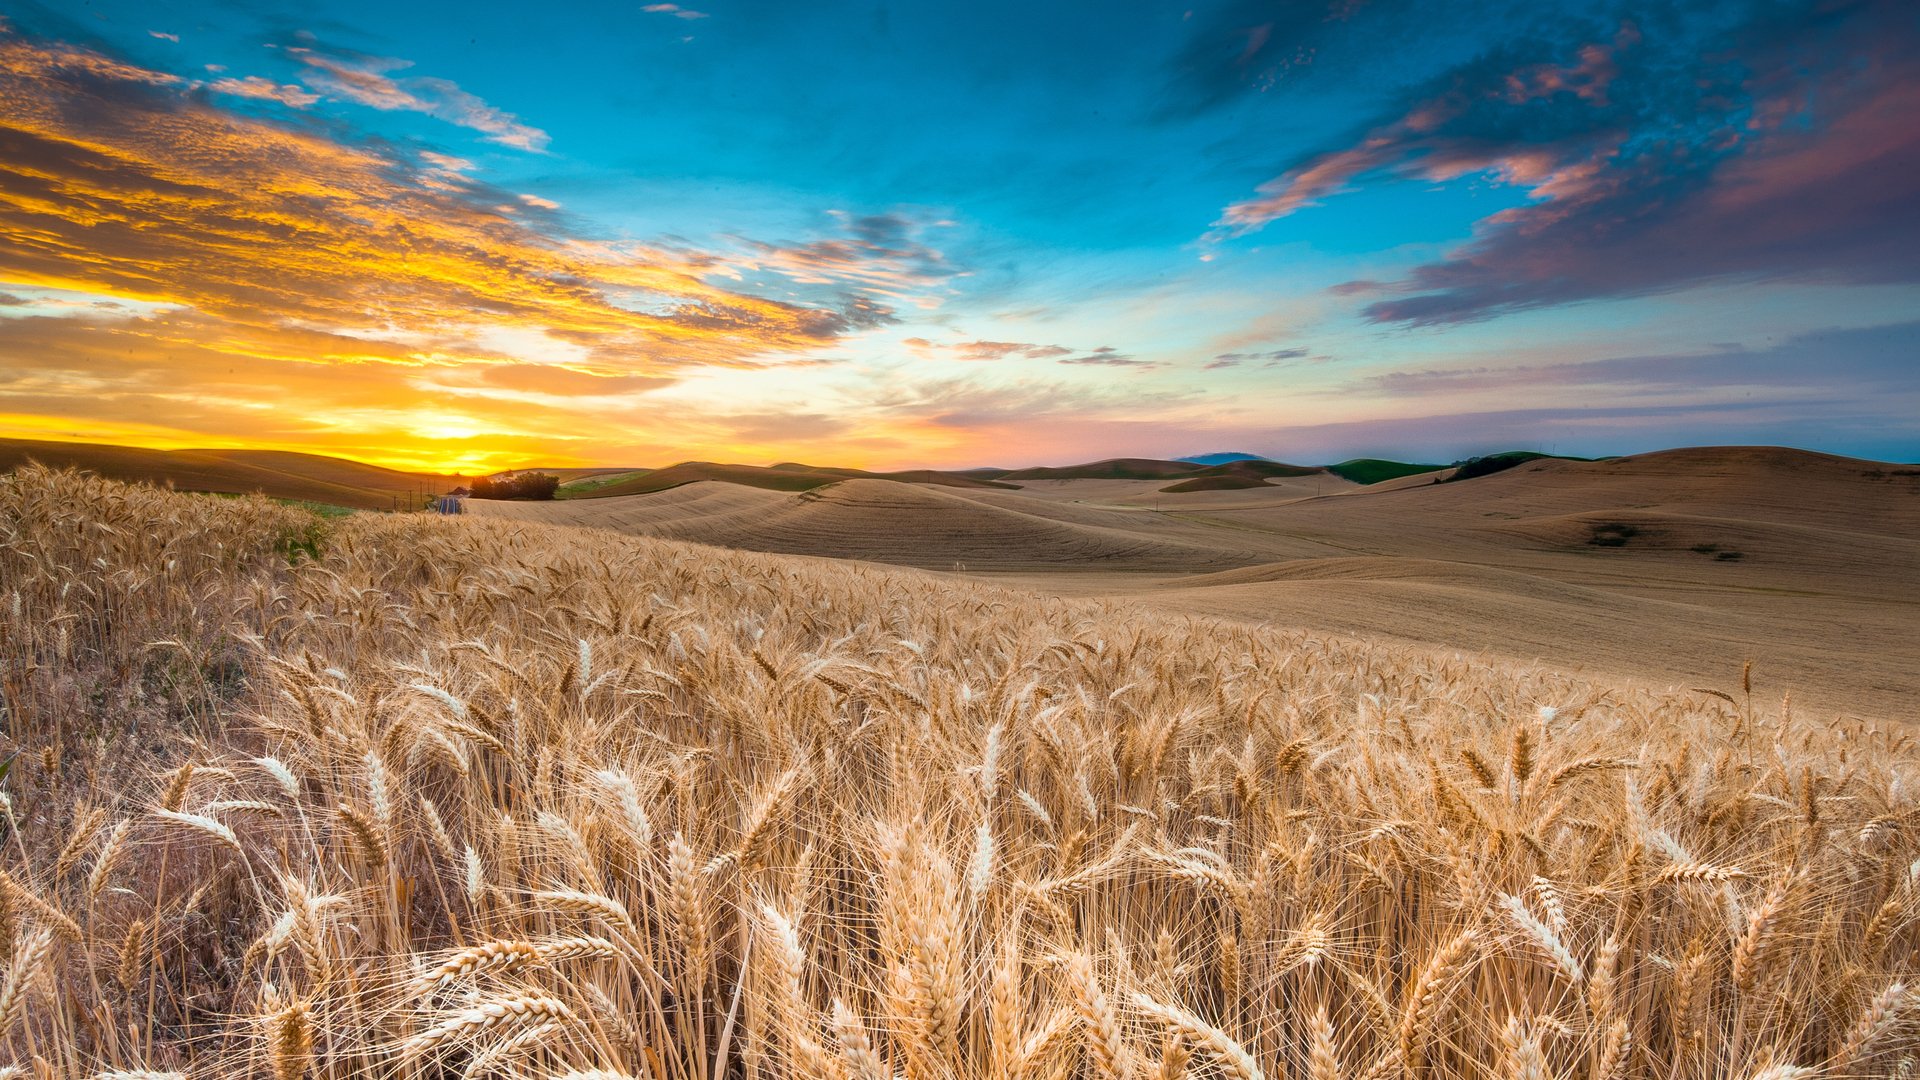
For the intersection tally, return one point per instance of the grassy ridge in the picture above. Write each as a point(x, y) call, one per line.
point(446, 797)
point(1375, 470)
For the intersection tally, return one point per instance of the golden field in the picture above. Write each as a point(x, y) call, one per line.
point(408, 796)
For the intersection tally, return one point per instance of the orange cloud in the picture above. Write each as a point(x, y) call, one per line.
point(296, 289)
point(118, 182)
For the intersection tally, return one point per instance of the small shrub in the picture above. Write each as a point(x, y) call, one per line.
point(1473, 468)
point(1612, 534)
point(1731, 556)
point(303, 538)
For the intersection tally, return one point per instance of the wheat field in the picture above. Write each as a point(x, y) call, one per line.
point(403, 796)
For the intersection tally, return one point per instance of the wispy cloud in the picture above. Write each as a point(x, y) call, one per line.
point(887, 256)
point(1256, 46)
point(674, 10)
point(1024, 350)
point(259, 89)
point(368, 80)
point(1107, 356)
point(987, 408)
point(1866, 362)
point(1269, 358)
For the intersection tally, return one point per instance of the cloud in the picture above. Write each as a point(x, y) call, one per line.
point(883, 255)
point(1524, 111)
point(1258, 45)
point(163, 36)
point(1000, 350)
point(1007, 408)
point(163, 197)
point(674, 10)
point(565, 381)
point(365, 79)
point(259, 89)
point(290, 286)
point(1270, 358)
point(1598, 429)
point(1777, 147)
point(1108, 356)
point(776, 428)
point(445, 162)
point(1861, 363)
point(1024, 350)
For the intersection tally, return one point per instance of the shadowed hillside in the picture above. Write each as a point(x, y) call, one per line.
point(280, 474)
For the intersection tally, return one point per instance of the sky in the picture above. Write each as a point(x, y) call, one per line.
point(480, 236)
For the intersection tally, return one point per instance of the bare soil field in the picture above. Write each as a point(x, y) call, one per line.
point(1675, 567)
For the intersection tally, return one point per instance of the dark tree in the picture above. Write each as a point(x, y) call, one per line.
point(520, 485)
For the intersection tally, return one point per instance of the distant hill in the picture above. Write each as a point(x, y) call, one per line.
point(582, 483)
point(1222, 458)
point(279, 473)
point(901, 523)
point(1488, 464)
point(786, 476)
point(969, 478)
point(1375, 470)
point(1240, 473)
point(1110, 469)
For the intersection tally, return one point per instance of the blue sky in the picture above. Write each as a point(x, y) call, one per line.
point(888, 234)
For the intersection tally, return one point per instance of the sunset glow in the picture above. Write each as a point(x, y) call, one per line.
point(944, 235)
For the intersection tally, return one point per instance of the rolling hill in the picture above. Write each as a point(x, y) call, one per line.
point(280, 474)
point(1682, 563)
point(787, 476)
point(1378, 470)
point(1235, 475)
point(891, 522)
point(1109, 469)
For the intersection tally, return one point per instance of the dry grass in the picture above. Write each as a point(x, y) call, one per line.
point(477, 799)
